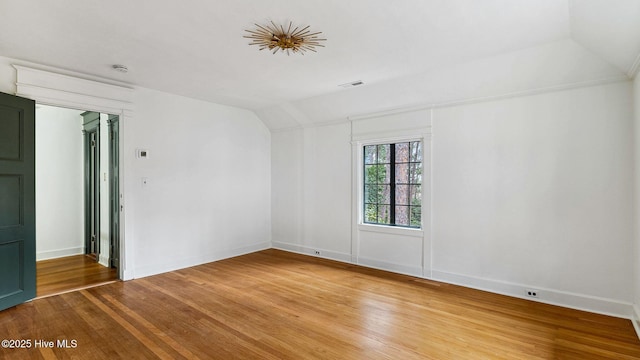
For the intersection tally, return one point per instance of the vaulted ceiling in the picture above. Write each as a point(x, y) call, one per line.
point(408, 53)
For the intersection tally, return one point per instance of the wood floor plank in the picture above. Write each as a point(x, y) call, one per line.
point(278, 305)
point(69, 273)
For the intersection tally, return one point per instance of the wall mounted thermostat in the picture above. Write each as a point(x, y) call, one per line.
point(142, 153)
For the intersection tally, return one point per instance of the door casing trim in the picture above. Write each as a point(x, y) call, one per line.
point(73, 90)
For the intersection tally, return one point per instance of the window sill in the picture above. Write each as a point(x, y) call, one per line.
point(395, 230)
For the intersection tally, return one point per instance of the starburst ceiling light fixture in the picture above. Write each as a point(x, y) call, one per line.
point(276, 38)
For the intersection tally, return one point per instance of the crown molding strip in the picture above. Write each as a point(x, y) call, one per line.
point(64, 90)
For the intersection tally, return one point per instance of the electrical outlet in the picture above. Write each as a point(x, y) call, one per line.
point(317, 252)
point(532, 293)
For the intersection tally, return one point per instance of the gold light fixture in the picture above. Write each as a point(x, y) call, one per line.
point(275, 38)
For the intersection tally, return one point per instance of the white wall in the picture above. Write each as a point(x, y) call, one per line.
point(532, 191)
point(327, 219)
point(311, 190)
point(7, 76)
point(287, 154)
point(535, 192)
point(209, 180)
point(59, 183)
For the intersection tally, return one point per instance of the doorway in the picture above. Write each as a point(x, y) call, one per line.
point(77, 180)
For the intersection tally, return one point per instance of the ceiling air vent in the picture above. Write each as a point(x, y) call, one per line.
point(352, 84)
point(120, 68)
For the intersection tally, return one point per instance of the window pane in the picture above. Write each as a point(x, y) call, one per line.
point(383, 154)
point(371, 194)
point(384, 174)
point(371, 174)
point(402, 215)
point(402, 153)
point(416, 151)
point(370, 213)
point(416, 216)
point(415, 173)
point(402, 174)
point(402, 194)
point(383, 214)
point(384, 195)
point(416, 195)
point(370, 154)
point(405, 168)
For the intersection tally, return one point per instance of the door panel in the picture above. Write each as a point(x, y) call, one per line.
point(10, 254)
point(11, 134)
point(10, 192)
point(91, 129)
point(94, 185)
point(114, 191)
point(17, 201)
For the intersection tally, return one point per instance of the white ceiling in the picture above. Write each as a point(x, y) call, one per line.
point(407, 52)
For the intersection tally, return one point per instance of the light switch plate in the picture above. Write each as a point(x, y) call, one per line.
point(142, 153)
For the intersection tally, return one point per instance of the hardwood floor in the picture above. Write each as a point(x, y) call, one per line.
point(68, 273)
point(276, 305)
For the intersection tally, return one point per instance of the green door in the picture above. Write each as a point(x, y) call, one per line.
point(114, 191)
point(91, 130)
point(17, 201)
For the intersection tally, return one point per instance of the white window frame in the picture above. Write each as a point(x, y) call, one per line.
point(358, 185)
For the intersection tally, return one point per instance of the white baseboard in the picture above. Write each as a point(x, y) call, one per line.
point(387, 266)
point(54, 254)
point(548, 296)
point(103, 260)
point(325, 254)
point(150, 270)
point(346, 258)
point(635, 319)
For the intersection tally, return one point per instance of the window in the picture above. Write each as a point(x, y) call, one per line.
point(393, 184)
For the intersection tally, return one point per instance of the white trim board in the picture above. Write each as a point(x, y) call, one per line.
point(41, 83)
point(391, 267)
point(570, 300)
point(103, 260)
point(346, 258)
point(635, 319)
point(310, 251)
point(54, 254)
